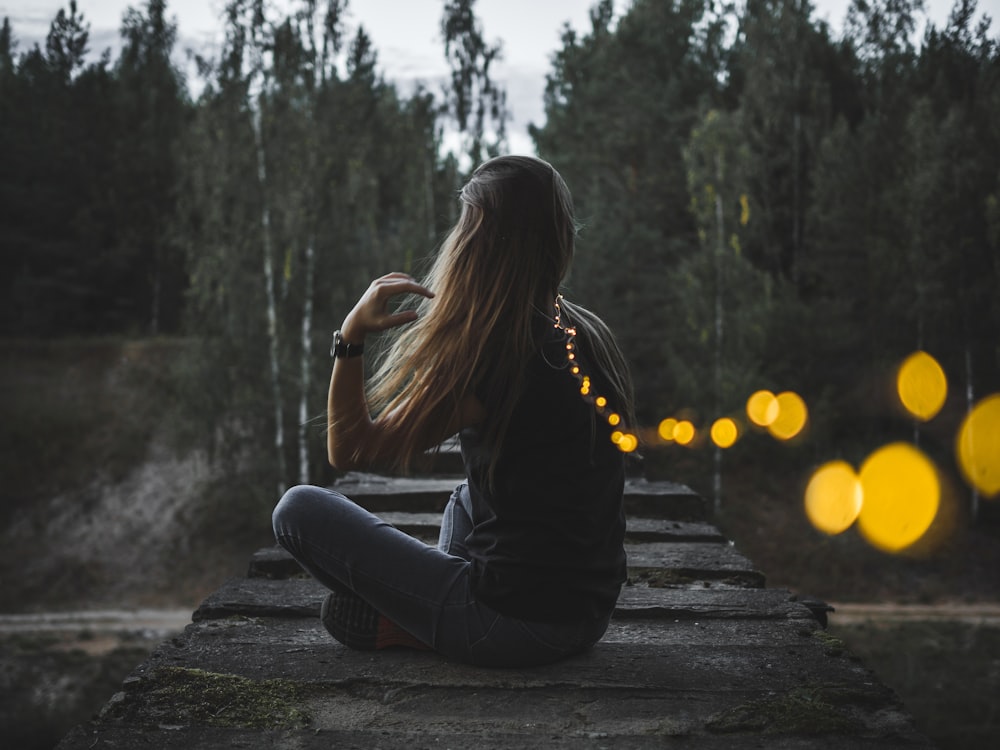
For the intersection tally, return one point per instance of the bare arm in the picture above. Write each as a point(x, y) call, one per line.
point(354, 440)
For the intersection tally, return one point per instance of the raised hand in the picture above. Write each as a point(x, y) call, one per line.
point(371, 312)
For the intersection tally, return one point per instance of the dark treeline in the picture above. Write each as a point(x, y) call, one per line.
point(784, 209)
point(765, 204)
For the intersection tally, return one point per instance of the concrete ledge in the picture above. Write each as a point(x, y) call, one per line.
point(697, 683)
point(698, 655)
point(212, 738)
point(430, 494)
point(301, 597)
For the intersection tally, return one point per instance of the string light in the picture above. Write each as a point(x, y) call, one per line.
point(625, 441)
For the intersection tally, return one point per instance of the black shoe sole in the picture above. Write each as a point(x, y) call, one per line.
point(350, 619)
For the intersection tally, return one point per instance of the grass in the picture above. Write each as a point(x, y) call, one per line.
point(946, 673)
point(49, 684)
point(76, 410)
point(182, 696)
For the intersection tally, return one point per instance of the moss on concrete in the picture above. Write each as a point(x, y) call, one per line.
point(799, 711)
point(184, 696)
point(834, 646)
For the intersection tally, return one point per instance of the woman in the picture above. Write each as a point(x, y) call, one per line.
point(530, 559)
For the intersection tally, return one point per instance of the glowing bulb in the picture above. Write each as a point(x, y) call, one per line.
point(614, 420)
point(792, 416)
point(601, 401)
point(978, 446)
point(762, 408)
point(724, 432)
point(922, 385)
point(627, 443)
point(684, 432)
point(833, 497)
point(901, 494)
point(666, 429)
point(616, 436)
point(575, 370)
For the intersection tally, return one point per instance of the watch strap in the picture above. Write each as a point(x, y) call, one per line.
point(340, 349)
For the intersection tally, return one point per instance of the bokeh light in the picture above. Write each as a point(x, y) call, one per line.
point(762, 408)
point(978, 446)
point(792, 416)
point(833, 497)
point(627, 443)
point(724, 432)
point(684, 432)
point(921, 385)
point(901, 495)
point(666, 429)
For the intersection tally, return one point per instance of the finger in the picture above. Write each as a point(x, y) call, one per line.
point(400, 318)
point(390, 288)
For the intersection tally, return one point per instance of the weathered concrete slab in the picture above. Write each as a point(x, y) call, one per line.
point(290, 675)
point(217, 738)
point(669, 530)
point(698, 655)
point(666, 563)
point(682, 560)
point(430, 494)
point(700, 603)
point(426, 526)
point(262, 597)
point(645, 499)
point(273, 562)
point(301, 597)
point(380, 494)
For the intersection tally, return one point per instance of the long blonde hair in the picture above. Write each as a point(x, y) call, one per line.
point(499, 268)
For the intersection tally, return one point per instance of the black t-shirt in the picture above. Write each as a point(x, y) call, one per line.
point(547, 543)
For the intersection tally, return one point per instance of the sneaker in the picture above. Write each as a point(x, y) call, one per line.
point(358, 625)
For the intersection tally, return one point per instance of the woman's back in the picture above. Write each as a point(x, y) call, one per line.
point(549, 525)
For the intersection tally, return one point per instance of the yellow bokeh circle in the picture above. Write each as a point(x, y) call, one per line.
point(762, 408)
point(833, 497)
point(978, 446)
point(792, 416)
point(901, 495)
point(684, 432)
point(921, 385)
point(724, 432)
point(627, 443)
point(666, 429)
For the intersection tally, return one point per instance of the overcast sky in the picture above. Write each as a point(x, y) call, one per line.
point(405, 34)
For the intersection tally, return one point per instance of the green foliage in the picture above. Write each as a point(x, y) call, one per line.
point(866, 169)
point(88, 182)
point(620, 106)
point(303, 181)
point(77, 411)
point(762, 204)
point(473, 94)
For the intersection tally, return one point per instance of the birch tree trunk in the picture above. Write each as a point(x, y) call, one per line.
point(306, 375)
point(272, 312)
point(720, 249)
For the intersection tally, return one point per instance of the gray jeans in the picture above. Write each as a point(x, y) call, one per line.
point(425, 590)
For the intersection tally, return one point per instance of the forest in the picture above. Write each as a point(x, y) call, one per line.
point(764, 204)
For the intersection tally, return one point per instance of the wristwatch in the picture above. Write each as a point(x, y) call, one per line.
point(343, 350)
